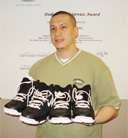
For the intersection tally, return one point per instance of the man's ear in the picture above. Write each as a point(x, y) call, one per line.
point(76, 31)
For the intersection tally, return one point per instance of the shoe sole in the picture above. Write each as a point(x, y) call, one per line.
point(31, 121)
point(83, 119)
point(60, 120)
point(11, 112)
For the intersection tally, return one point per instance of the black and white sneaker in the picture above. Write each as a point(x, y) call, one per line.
point(38, 108)
point(82, 106)
point(23, 96)
point(61, 109)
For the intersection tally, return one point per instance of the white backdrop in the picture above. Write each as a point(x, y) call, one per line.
point(24, 36)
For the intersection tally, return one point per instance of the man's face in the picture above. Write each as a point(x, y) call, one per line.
point(62, 32)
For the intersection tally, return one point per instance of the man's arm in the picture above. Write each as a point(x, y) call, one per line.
point(105, 114)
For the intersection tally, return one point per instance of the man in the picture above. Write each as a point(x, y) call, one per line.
point(70, 65)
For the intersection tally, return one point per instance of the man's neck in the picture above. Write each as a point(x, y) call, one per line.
point(65, 54)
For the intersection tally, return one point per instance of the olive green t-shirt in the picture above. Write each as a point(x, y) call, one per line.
point(82, 69)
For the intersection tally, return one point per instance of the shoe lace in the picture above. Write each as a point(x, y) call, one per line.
point(61, 100)
point(78, 98)
point(22, 96)
point(39, 98)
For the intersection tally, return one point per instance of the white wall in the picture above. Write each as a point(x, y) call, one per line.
point(24, 36)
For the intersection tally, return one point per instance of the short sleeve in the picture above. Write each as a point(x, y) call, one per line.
point(105, 91)
point(33, 72)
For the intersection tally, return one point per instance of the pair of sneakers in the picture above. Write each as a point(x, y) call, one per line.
point(36, 102)
point(32, 102)
point(72, 104)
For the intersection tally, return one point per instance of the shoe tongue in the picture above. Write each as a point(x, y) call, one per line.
point(24, 86)
point(41, 86)
point(60, 99)
point(82, 96)
point(60, 96)
point(25, 79)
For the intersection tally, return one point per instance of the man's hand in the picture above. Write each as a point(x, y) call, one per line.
point(105, 114)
